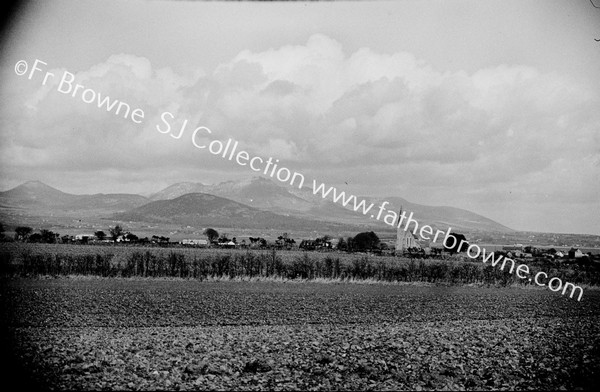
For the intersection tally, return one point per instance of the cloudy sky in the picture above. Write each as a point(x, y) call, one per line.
point(491, 106)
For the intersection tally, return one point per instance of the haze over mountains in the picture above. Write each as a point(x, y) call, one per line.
point(251, 203)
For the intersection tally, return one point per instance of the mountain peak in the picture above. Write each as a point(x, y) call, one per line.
point(35, 191)
point(178, 189)
point(35, 186)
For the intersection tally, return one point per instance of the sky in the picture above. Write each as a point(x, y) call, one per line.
point(490, 106)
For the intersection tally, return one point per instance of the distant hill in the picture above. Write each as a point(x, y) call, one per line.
point(257, 192)
point(265, 194)
point(35, 197)
point(204, 210)
point(179, 189)
point(35, 192)
point(443, 217)
point(255, 202)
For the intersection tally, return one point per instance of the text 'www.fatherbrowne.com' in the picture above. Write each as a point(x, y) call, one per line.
point(67, 83)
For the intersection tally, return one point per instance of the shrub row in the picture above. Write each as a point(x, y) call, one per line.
point(267, 264)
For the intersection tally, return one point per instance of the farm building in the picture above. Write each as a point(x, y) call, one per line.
point(575, 253)
point(315, 244)
point(229, 244)
point(194, 242)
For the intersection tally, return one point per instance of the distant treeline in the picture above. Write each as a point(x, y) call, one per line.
point(269, 264)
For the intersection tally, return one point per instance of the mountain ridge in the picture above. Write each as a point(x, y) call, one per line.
point(35, 195)
point(303, 203)
point(206, 210)
point(257, 193)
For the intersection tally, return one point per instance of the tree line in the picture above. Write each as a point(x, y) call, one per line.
point(115, 234)
point(367, 241)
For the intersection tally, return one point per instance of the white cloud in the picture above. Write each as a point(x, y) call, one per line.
point(317, 108)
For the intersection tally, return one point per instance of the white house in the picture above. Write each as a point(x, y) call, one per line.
point(195, 242)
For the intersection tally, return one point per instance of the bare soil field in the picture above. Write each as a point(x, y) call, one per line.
point(176, 334)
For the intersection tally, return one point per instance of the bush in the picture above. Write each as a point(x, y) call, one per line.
point(17, 259)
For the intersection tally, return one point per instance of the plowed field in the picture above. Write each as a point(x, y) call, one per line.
point(94, 333)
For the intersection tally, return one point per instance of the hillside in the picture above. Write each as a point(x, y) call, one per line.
point(267, 195)
point(37, 198)
point(34, 193)
point(443, 217)
point(257, 192)
point(203, 210)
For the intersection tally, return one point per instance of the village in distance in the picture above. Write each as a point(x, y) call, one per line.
point(257, 214)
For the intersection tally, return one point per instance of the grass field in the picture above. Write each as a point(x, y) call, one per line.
point(146, 333)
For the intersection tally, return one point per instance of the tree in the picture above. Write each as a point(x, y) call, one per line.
point(341, 243)
point(48, 236)
point(35, 237)
point(100, 235)
point(116, 232)
point(1, 231)
point(350, 243)
point(22, 233)
point(131, 237)
point(211, 234)
point(160, 239)
point(365, 241)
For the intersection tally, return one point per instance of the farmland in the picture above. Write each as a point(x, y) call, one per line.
point(126, 318)
point(135, 333)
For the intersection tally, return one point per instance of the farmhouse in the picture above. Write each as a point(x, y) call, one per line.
point(193, 242)
point(229, 244)
point(319, 243)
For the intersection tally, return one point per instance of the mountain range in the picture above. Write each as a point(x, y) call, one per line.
point(253, 203)
point(264, 194)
